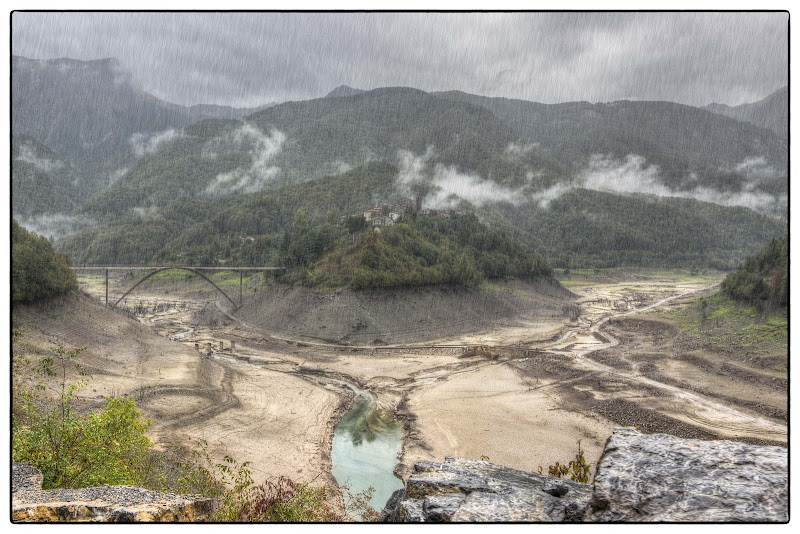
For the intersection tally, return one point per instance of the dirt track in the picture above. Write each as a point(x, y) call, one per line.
point(275, 402)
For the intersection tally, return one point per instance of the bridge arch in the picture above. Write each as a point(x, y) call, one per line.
point(194, 271)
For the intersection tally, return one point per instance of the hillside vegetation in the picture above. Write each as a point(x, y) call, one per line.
point(582, 228)
point(691, 146)
point(426, 250)
point(37, 272)
point(763, 280)
point(593, 229)
point(161, 186)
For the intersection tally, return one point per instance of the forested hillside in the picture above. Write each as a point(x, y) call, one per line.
point(690, 146)
point(424, 250)
point(763, 280)
point(37, 272)
point(587, 228)
point(133, 179)
point(93, 113)
point(582, 228)
point(42, 182)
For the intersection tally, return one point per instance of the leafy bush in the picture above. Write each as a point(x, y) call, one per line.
point(237, 499)
point(71, 450)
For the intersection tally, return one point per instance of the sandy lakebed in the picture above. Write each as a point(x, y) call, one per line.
point(520, 392)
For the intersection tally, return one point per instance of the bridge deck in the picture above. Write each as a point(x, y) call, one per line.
point(199, 268)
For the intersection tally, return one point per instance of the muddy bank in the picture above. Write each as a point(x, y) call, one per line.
point(403, 315)
point(280, 421)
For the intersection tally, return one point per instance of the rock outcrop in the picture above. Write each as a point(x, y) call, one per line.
point(476, 491)
point(640, 477)
point(657, 477)
point(114, 504)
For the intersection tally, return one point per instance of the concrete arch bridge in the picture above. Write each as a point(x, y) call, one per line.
point(152, 271)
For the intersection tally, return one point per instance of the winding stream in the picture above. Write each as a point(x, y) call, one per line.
point(366, 443)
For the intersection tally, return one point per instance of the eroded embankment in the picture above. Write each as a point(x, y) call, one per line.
point(404, 315)
point(280, 421)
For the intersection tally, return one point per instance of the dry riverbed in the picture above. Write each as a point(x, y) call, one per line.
point(275, 401)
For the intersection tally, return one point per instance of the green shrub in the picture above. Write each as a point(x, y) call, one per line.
point(764, 277)
point(71, 450)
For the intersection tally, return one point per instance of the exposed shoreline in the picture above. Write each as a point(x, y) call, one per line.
point(522, 407)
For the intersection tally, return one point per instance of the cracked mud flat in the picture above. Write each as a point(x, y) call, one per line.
point(275, 401)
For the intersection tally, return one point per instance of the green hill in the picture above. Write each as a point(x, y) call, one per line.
point(587, 228)
point(424, 250)
point(37, 272)
point(298, 141)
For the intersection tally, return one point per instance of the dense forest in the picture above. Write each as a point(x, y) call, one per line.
point(582, 228)
point(594, 229)
point(420, 250)
point(37, 272)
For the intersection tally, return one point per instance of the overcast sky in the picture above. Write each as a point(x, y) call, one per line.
point(247, 59)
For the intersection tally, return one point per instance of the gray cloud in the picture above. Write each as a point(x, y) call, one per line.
point(56, 225)
point(254, 58)
point(149, 143)
point(262, 149)
point(28, 155)
point(634, 175)
point(447, 185)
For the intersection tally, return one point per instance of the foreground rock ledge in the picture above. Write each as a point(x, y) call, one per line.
point(640, 477)
point(115, 504)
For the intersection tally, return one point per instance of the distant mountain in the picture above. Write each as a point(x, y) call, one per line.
point(772, 112)
point(42, 182)
point(378, 124)
point(344, 90)
point(213, 111)
point(91, 150)
point(298, 141)
point(692, 147)
point(502, 147)
point(91, 112)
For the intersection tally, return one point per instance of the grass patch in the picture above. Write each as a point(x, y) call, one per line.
point(587, 277)
point(173, 275)
point(719, 321)
point(229, 278)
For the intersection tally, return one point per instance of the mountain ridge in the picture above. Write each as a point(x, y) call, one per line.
point(770, 112)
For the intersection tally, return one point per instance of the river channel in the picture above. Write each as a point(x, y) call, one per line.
point(366, 443)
